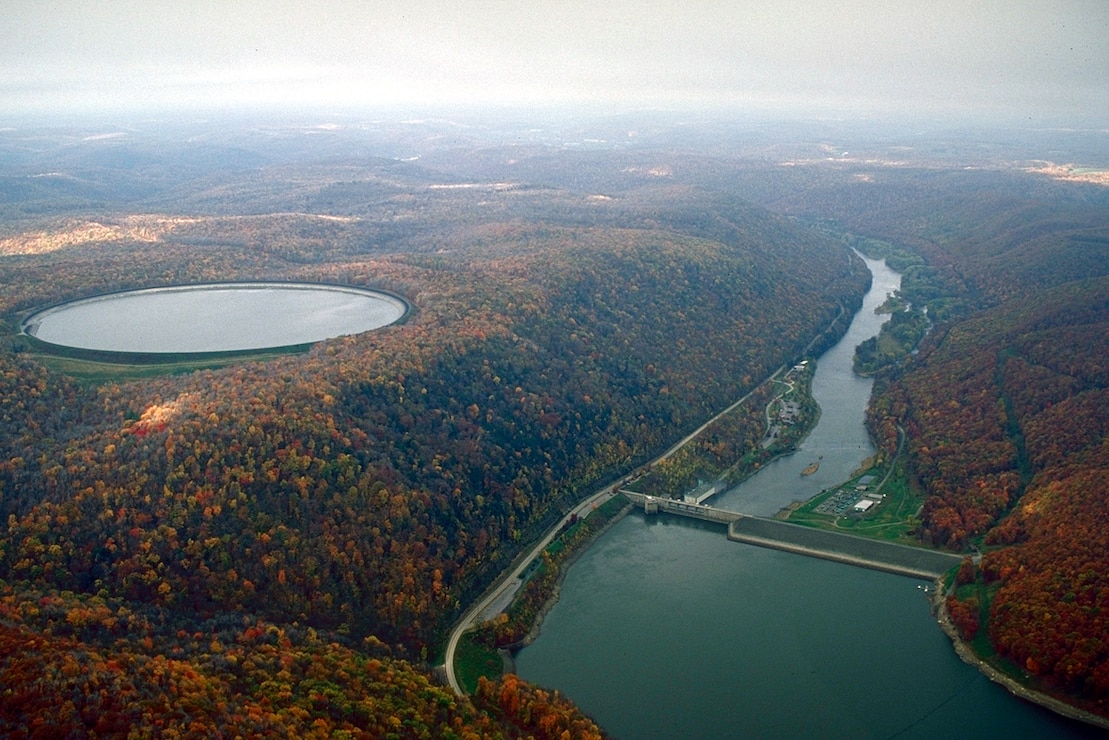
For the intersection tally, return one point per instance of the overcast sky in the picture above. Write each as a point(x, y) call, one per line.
point(1041, 60)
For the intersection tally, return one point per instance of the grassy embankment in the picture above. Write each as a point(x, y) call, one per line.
point(473, 660)
point(982, 594)
point(96, 366)
point(894, 519)
point(96, 372)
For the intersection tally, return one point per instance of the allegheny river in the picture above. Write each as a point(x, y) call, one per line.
point(667, 629)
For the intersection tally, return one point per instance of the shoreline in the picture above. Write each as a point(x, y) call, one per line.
point(1016, 688)
point(508, 654)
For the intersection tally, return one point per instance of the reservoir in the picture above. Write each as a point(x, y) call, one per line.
point(666, 629)
point(221, 317)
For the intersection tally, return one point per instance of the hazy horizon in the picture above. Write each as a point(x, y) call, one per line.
point(1012, 61)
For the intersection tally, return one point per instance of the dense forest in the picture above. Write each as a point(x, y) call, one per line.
point(1005, 404)
point(1007, 417)
point(280, 546)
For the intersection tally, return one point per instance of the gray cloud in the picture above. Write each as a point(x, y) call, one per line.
point(1019, 57)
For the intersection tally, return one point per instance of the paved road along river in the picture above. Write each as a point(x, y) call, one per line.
point(666, 629)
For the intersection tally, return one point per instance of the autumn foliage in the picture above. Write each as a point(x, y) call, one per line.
point(370, 488)
point(1005, 411)
point(1012, 447)
point(78, 666)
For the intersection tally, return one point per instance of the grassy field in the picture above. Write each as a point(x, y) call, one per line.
point(472, 661)
point(96, 372)
point(892, 520)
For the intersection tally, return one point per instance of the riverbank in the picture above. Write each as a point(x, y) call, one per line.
point(967, 654)
point(890, 557)
point(520, 622)
point(508, 653)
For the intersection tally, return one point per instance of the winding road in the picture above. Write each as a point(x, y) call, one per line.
point(510, 578)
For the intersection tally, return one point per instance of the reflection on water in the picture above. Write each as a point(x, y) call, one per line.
point(215, 318)
point(840, 440)
point(665, 629)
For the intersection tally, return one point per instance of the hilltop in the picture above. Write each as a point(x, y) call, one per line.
point(281, 544)
point(319, 520)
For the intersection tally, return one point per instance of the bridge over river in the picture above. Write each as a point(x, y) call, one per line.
point(820, 543)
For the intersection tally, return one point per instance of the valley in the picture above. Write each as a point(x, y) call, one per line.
point(296, 534)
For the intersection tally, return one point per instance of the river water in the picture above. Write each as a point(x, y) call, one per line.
point(665, 629)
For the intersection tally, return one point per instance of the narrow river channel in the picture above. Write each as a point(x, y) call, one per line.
point(665, 629)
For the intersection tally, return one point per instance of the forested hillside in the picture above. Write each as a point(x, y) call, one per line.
point(278, 545)
point(1005, 407)
point(1007, 417)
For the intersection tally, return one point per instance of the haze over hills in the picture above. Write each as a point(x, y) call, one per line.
point(281, 545)
point(1019, 62)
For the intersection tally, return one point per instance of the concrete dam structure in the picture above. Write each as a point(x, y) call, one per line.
point(842, 548)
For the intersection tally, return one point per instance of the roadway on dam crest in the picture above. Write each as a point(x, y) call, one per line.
point(842, 548)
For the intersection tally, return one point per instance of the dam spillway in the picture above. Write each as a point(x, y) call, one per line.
point(891, 557)
point(850, 549)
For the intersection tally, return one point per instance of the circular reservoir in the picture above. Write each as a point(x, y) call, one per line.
point(214, 317)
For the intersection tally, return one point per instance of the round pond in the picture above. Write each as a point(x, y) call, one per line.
point(214, 317)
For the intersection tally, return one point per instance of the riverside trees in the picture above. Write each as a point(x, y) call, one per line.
point(369, 488)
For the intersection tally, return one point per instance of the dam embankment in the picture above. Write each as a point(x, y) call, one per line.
point(818, 543)
point(844, 548)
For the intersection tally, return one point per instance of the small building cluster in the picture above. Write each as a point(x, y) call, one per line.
point(857, 499)
point(785, 413)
